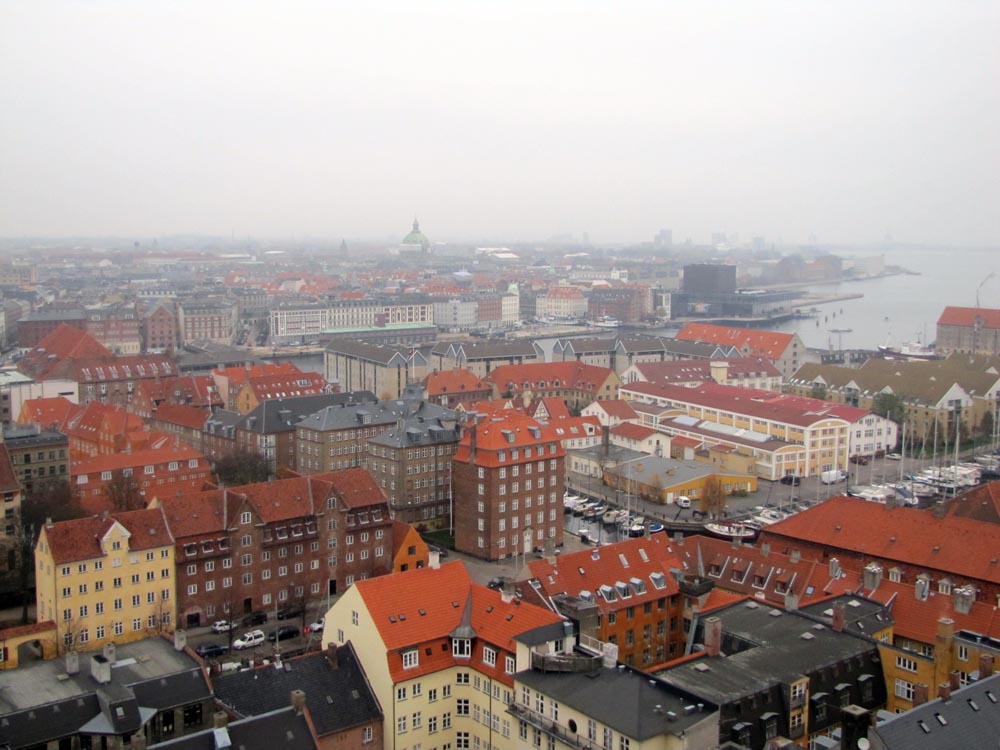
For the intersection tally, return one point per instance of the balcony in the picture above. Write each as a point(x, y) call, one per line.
point(552, 729)
point(565, 662)
point(797, 700)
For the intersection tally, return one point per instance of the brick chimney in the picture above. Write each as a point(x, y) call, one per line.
point(434, 559)
point(985, 665)
point(220, 720)
point(920, 694)
point(944, 691)
point(954, 679)
point(298, 701)
point(855, 721)
point(331, 655)
point(180, 639)
point(839, 616)
point(713, 636)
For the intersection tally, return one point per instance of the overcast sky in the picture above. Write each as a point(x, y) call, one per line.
point(502, 120)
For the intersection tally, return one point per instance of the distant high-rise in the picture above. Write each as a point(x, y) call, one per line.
point(709, 278)
point(664, 238)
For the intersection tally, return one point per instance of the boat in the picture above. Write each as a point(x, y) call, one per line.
point(607, 322)
point(614, 516)
point(731, 530)
point(638, 527)
point(655, 528)
point(908, 350)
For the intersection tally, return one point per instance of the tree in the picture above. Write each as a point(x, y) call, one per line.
point(713, 501)
point(47, 500)
point(891, 406)
point(818, 391)
point(986, 425)
point(242, 467)
point(124, 493)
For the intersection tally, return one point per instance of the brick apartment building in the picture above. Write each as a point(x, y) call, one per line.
point(267, 545)
point(508, 478)
point(158, 326)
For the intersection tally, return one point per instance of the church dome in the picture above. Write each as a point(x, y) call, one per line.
point(416, 237)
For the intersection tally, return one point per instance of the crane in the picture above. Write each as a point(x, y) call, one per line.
point(981, 284)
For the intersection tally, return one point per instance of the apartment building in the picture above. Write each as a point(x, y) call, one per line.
point(969, 330)
point(383, 370)
point(271, 387)
point(577, 384)
point(37, 454)
point(561, 303)
point(10, 492)
point(453, 387)
point(106, 578)
point(482, 357)
point(159, 326)
point(296, 323)
point(206, 320)
point(441, 653)
point(745, 372)
point(508, 479)
point(784, 350)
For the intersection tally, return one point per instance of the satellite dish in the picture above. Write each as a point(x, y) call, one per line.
point(864, 744)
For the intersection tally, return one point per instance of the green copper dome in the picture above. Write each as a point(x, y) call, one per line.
point(416, 237)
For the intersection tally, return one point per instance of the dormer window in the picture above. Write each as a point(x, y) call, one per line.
point(461, 648)
point(411, 658)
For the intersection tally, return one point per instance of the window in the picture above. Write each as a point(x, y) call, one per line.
point(366, 735)
point(509, 664)
point(910, 665)
point(462, 740)
point(432, 724)
point(401, 693)
point(401, 725)
point(461, 647)
point(416, 720)
point(245, 517)
point(411, 658)
point(489, 656)
point(462, 707)
point(904, 689)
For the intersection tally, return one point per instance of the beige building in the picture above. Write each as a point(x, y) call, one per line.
point(106, 578)
point(482, 357)
point(383, 370)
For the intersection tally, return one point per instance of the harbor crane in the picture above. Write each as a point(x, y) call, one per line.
point(981, 284)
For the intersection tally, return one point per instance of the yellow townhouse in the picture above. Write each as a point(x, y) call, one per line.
point(106, 578)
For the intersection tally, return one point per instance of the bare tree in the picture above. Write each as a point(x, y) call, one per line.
point(242, 467)
point(713, 501)
point(124, 493)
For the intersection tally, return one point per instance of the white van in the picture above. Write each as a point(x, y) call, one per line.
point(683, 501)
point(832, 477)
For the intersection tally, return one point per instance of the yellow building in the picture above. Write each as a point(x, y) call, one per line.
point(440, 654)
point(106, 578)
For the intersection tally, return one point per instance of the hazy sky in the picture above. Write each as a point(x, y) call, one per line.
point(502, 120)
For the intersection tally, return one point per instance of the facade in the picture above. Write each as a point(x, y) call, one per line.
point(206, 320)
point(969, 330)
point(822, 429)
point(262, 546)
point(508, 479)
point(107, 578)
point(482, 357)
point(383, 370)
point(745, 372)
point(10, 492)
point(627, 304)
point(561, 303)
point(37, 454)
point(453, 387)
point(115, 326)
point(411, 462)
point(440, 653)
point(298, 323)
point(709, 278)
point(159, 327)
point(456, 314)
point(577, 384)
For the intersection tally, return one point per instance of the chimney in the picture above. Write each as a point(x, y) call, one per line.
point(220, 720)
point(434, 559)
point(72, 662)
point(954, 679)
point(609, 655)
point(765, 549)
point(139, 741)
point(890, 502)
point(719, 371)
point(678, 539)
point(606, 439)
point(736, 542)
point(944, 691)
point(180, 639)
point(963, 597)
point(985, 665)
point(854, 723)
point(834, 567)
point(920, 694)
point(791, 601)
point(109, 652)
point(940, 509)
point(872, 576)
point(507, 591)
point(331, 655)
point(713, 636)
point(100, 669)
point(795, 556)
point(839, 616)
point(298, 701)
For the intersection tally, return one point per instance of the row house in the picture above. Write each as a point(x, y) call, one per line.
point(116, 327)
point(622, 352)
point(576, 383)
point(229, 381)
point(206, 320)
point(270, 387)
point(158, 326)
point(268, 545)
point(904, 542)
point(746, 372)
point(270, 429)
point(784, 350)
point(411, 462)
point(185, 423)
point(37, 454)
point(640, 608)
point(441, 654)
point(106, 578)
point(453, 387)
point(165, 469)
point(822, 429)
point(482, 357)
point(183, 390)
point(383, 370)
point(113, 380)
point(508, 476)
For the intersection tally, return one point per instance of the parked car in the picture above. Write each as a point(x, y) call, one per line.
point(860, 460)
point(315, 627)
point(683, 501)
point(894, 456)
point(289, 611)
point(832, 477)
point(284, 633)
point(211, 650)
point(495, 583)
point(255, 618)
point(249, 640)
point(223, 626)
point(792, 480)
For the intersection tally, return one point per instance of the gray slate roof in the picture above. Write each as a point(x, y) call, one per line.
point(969, 720)
point(376, 413)
point(282, 728)
point(281, 415)
point(337, 693)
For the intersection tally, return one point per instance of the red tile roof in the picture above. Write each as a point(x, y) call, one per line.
point(239, 375)
point(356, 488)
point(632, 431)
point(146, 457)
point(267, 387)
point(683, 371)
point(618, 408)
point(980, 504)
point(63, 343)
point(192, 417)
point(777, 407)
point(80, 539)
point(48, 411)
point(754, 342)
point(443, 594)
point(545, 375)
point(967, 317)
point(502, 433)
point(454, 381)
point(555, 406)
point(952, 544)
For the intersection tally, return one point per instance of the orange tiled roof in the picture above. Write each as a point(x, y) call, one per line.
point(981, 503)
point(754, 342)
point(64, 342)
point(967, 316)
point(512, 430)
point(267, 387)
point(541, 375)
point(957, 545)
point(239, 375)
point(555, 406)
point(355, 487)
point(192, 417)
point(453, 381)
point(632, 431)
point(619, 408)
point(146, 457)
point(48, 411)
point(80, 539)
